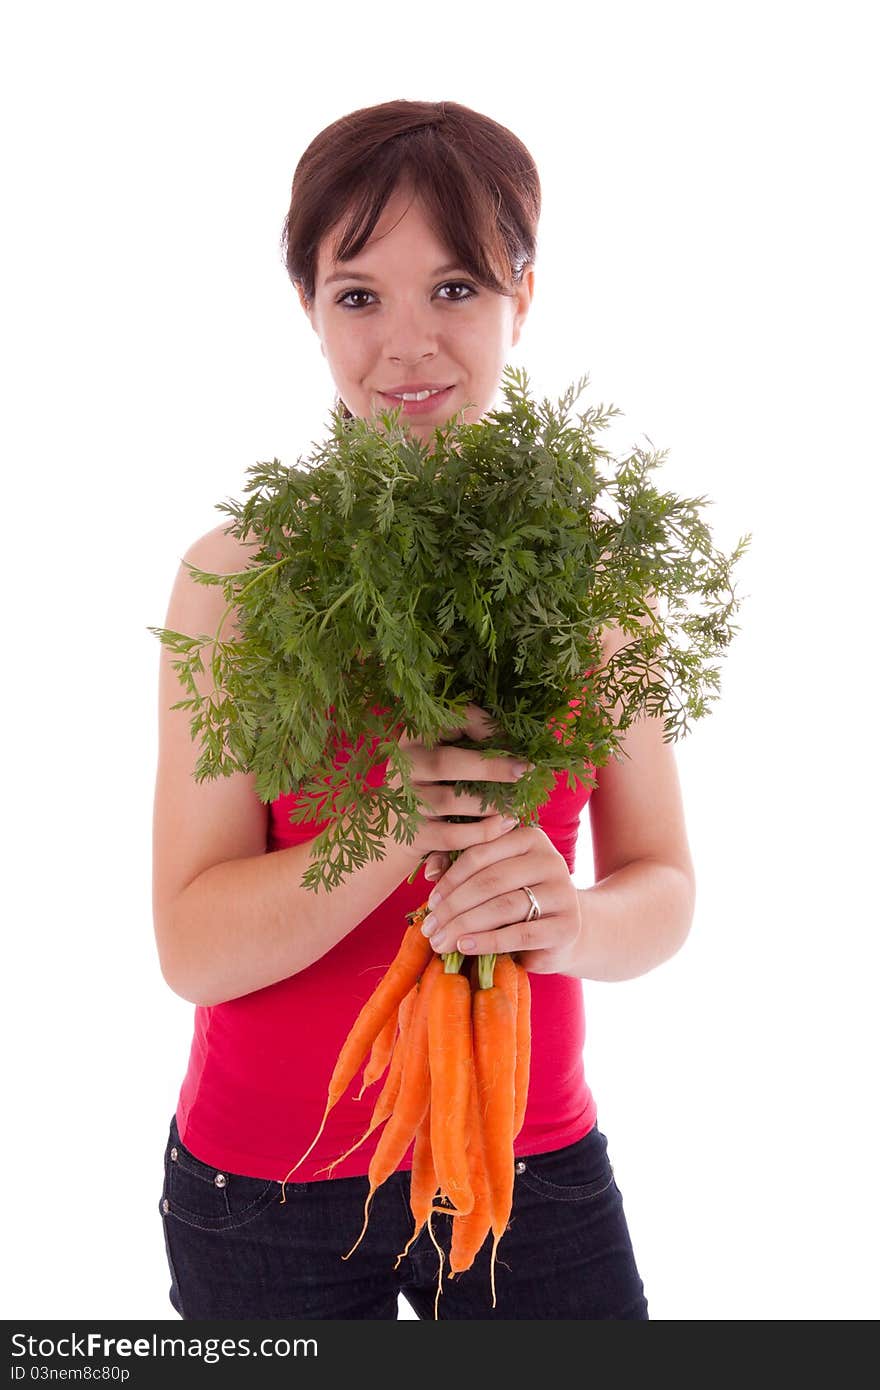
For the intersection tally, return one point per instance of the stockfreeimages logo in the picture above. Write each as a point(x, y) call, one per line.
point(94, 1345)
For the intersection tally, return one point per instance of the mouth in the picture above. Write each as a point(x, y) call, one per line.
point(432, 401)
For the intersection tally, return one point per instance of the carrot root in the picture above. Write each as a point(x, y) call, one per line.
point(364, 1227)
point(408, 1244)
point(492, 1265)
point(440, 1265)
point(380, 1053)
point(328, 1168)
point(444, 1211)
point(307, 1152)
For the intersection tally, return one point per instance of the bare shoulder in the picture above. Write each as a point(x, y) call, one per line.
point(220, 551)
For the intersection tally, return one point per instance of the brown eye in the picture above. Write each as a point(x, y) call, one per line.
point(348, 295)
point(459, 285)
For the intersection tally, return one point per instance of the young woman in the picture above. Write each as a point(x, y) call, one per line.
point(410, 240)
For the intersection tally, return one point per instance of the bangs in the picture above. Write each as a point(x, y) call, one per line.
point(463, 215)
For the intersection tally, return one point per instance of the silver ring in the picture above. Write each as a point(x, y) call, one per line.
point(535, 906)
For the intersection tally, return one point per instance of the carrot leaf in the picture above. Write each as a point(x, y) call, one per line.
point(395, 583)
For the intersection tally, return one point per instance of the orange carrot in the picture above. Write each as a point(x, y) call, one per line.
point(422, 1180)
point(388, 1095)
point(469, 1231)
point(494, 1024)
point(523, 1046)
point(504, 977)
point(380, 1054)
point(413, 1097)
point(412, 957)
point(450, 1053)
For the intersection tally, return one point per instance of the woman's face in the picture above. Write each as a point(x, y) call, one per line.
point(400, 314)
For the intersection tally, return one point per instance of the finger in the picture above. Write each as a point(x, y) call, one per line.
point(519, 936)
point(447, 763)
point(438, 799)
point(478, 724)
point(436, 864)
point(446, 926)
point(446, 801)
point(464, 835)
point(487, 869)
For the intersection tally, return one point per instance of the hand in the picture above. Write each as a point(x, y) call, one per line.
point(481, 906)
point(433, 768)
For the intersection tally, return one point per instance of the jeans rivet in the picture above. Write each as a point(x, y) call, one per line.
point(220, 1180)
point(520, 1167)
point(165, 1206)
point(173, 1155)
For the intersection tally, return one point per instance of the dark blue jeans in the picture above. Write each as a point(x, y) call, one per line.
point(235, 1251)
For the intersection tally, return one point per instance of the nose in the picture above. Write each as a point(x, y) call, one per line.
point(411, 334)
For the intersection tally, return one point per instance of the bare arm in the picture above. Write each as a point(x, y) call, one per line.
point(246, 923)
point(632, 921)
point(230, 918)
point(638, 912)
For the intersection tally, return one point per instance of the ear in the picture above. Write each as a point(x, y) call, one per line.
point(307, 307)
point(309, 311)
point(524, 292)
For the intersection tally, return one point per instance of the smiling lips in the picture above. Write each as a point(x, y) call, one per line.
point(418, 400)
point(415, 388)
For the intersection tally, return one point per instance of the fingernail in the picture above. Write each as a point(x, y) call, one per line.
point(435, 898)
point(509, 822)
point(432, 873)
point(429, 924)
point(465, 944)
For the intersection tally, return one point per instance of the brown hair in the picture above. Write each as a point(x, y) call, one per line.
point(478, 182)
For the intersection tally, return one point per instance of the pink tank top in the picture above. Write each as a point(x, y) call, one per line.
point(259, 1066)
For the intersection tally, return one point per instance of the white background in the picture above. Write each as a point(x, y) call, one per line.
point(708, 254)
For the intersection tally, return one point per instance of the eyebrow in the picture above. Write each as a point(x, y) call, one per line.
point(362, 275)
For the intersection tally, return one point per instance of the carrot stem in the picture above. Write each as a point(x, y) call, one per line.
point(486, 971)
point(452, 962)
point(410, 877)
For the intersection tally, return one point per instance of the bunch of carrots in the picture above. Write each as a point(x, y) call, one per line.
point(454, 1046)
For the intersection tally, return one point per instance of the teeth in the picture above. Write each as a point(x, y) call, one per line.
point(417, 395)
